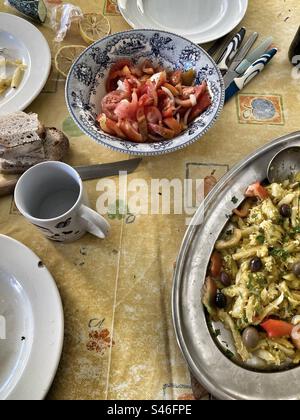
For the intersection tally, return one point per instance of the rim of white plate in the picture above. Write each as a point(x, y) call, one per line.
point(244, 4)
point(48, 320)
point(39, 66)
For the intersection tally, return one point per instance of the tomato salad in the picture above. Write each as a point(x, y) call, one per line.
point(147, 103)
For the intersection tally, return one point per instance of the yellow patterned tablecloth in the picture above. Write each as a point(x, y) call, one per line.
point(119, 338)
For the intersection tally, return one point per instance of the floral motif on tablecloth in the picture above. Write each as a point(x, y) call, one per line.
point(99, 341)
point(120, 210)
point(260, 109)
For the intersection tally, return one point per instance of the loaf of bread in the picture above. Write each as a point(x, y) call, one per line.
point(24, 142)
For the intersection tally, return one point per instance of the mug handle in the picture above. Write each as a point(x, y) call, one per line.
point(94, 223)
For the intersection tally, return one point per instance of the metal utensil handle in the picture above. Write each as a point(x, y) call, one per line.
point(232, 49)
point(257, 67)
point(245, 49)
point(255, 55)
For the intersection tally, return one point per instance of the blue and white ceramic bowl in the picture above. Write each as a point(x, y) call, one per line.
point(85, 85)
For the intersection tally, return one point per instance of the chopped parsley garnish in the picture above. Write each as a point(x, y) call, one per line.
point(260, 239)
point(296, 229)
point(256, 283)
point(234, 200)
point(279, 253)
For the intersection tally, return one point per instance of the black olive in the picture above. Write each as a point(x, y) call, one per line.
point(296, 269)
point(221, 301)
point(256, 265)
point(250, 337)
point(285, 210)
point(225, 279)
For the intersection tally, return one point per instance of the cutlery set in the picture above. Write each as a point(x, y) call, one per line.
point(239, 66)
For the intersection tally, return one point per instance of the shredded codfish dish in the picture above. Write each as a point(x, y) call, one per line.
point(253, 280)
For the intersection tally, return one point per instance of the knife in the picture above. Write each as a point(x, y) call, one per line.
point(255, 55)
point(231, 50)
point(258, 66)
point(86, 172)
point(218, 45)
point(232, 73)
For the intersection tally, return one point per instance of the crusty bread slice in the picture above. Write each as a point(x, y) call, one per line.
point(18, 129)
point(55, 146)
point(21, 135)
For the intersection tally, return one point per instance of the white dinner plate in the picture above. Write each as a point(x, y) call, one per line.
point(24, 41)
point(31, 324)
point(200, 21)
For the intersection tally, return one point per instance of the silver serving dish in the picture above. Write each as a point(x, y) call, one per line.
point(205, 355)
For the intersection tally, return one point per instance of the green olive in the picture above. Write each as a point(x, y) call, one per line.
point(188, 77)
point(296, 269)
point(250, 337)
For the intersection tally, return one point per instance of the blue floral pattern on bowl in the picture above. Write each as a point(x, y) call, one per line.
point(85, 85)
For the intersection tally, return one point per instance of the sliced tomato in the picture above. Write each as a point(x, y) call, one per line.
point(168, 113)
point(166, 133)
point(130, 131)
point(113, 127)
point(257, 190)
point(276, 328)
point(142, 123)
point(127, 87)
point(127, 110)
point(152, 92)
point(153, 115)
point(102, 118)
point(173, 125)
point(216, 264)
point(204, 102)
point(146, 100)
point(113, 76)
point(175, 77)
point(110, 102)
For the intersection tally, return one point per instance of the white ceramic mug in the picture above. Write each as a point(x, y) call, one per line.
point(51, 196)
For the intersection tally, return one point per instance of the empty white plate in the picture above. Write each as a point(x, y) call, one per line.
point(31, 324)
point(198, 20)
point(24, 41)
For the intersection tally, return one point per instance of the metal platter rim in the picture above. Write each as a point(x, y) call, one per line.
point(223, 364)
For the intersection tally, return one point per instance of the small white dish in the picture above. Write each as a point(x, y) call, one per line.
point(25, 42)
point(31, 316)
point(200, 21)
